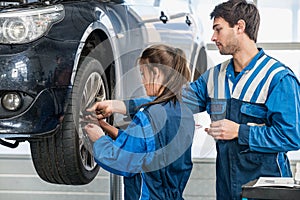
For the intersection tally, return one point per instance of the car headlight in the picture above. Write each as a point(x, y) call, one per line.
point(22, 26)
point(11, 101)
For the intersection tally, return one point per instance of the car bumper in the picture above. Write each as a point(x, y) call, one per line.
point(42, 117)
point(43, 78)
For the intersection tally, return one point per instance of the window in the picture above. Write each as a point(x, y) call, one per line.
point(279, 21)
point(275, 27)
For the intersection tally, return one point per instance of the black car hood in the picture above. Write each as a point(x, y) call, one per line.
point(25, 3)
point(48, 2)
point(36, 3)
point(21, 2)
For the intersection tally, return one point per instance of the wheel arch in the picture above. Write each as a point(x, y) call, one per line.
point(99, 46)
point(98, 43)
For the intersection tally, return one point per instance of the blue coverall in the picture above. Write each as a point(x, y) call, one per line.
point(264, 99)
point(157, 145)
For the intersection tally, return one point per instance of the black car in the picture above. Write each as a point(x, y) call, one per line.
point(58, 57)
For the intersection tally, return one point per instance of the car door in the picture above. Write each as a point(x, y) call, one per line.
point(142, 15)
point(166, 21)
point(156, 21)
point(181, 29)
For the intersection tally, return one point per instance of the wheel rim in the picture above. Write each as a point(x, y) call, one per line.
point(94, 90)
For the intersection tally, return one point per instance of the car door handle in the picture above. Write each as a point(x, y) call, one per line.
point(163, 17)
point(188, 21)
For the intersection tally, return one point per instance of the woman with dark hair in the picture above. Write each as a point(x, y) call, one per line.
point(157, 143)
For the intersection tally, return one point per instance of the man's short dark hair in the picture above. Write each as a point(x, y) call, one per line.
point(234, 10)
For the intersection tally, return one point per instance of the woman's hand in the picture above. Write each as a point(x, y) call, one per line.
point(109, 129)
point(104, 109)
point(93, 131)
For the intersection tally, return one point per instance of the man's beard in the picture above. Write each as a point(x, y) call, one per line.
point(229, 50)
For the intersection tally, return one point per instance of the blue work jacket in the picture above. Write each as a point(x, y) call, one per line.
point(156, 145)
point(264, 99)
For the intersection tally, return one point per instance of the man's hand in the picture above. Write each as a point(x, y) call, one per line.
point(104, 109)
point(223, 129)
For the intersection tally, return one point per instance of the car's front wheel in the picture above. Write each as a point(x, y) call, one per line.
point(66, 157)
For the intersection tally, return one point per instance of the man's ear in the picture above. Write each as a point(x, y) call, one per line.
point(241, 26)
